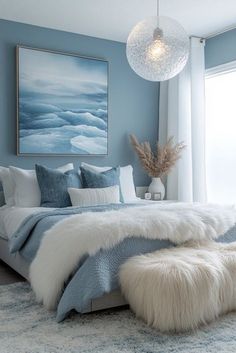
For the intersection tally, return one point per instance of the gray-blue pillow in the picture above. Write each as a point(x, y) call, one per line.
point(100, 180)
point(53, 185)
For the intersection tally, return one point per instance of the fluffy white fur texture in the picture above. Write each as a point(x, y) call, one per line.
point(66, 242)
point(181, 288)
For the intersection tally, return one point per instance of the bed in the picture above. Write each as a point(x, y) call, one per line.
point(11, 218)
point(93, 284)
point(21, 266)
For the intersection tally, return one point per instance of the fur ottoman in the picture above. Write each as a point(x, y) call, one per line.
point(181, 288)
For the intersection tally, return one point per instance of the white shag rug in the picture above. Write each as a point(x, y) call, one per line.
point(26, 327)
point(181, 288)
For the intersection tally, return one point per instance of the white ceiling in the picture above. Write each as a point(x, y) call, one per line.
point(113, 19)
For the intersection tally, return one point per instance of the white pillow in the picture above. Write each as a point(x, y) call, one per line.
point(127, 184)
point(126, 180)
point(93, 197)
point(27, 192)
point(7, 185)
point(94, 168)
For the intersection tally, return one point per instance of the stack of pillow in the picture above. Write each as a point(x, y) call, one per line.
point(64, 186)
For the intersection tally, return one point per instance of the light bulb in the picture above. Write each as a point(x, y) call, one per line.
point(156, 49)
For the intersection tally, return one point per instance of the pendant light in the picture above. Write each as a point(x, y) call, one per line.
point(157, 48)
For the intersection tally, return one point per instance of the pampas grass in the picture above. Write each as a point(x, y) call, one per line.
point(157, 163)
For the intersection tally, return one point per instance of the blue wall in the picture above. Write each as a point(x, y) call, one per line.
point(220, 49)
point(133, 102)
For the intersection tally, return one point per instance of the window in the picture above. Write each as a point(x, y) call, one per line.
point(221, 134)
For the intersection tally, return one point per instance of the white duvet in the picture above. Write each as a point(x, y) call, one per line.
point(12, 217)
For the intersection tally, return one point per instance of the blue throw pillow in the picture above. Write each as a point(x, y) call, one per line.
point(100, 180)
point(53, 185)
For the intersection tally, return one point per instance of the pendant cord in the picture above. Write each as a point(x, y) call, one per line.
point(158, 8)
point(158, 12)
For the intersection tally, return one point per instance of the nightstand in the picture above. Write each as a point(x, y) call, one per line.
point(140, 192)
point(164, 202)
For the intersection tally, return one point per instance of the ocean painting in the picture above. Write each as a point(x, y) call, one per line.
point(62, 103)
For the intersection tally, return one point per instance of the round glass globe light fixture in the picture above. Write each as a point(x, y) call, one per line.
point(157, 48)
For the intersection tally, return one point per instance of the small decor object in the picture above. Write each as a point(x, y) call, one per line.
point(157, 196)
point(62, 102)
point(148, 196)
point(140, 191)
point(157, 164)
point(157, 48)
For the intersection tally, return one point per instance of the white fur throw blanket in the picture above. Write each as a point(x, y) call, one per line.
point(67, 241)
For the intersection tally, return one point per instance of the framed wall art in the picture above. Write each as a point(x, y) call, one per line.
point(62, 103)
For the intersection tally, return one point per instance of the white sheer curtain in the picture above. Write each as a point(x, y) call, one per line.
point(182, 115)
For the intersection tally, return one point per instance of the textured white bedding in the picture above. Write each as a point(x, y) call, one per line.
point(12, 217)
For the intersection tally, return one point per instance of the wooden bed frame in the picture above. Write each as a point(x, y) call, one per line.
point(17, 263)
